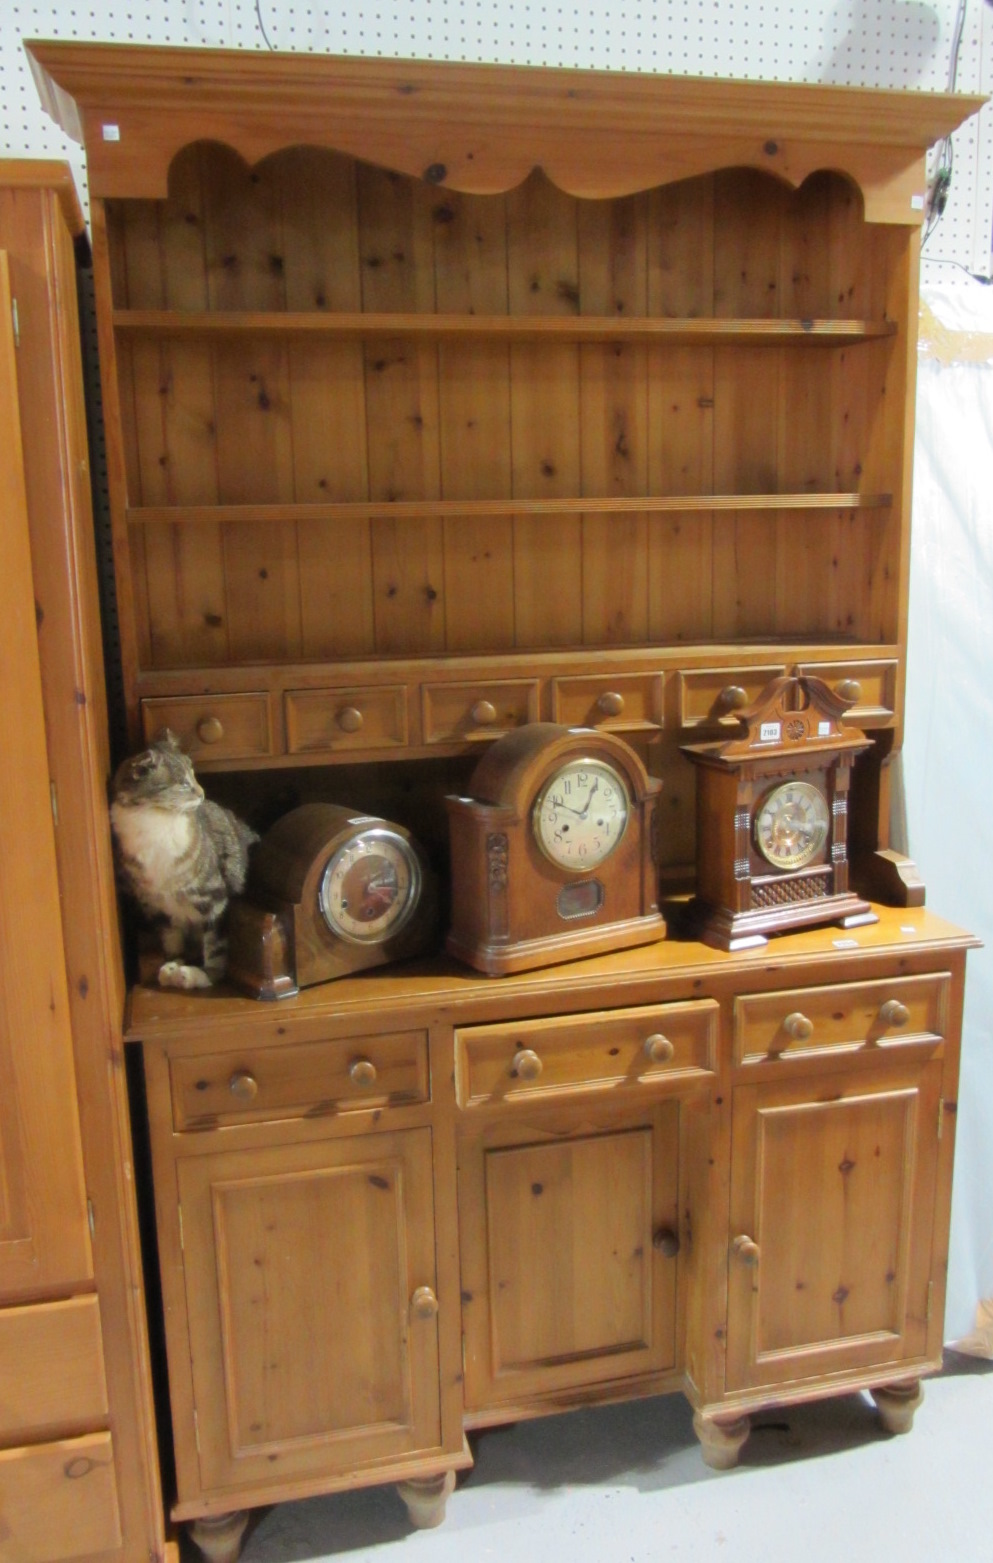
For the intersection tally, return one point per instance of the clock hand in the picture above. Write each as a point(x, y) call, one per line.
point(589, 799)
point(560, 805)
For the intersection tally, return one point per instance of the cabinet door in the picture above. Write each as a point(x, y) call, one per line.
point(832, 1198)
point(44, 1236)
point(568, 1269)
point(311, 1352)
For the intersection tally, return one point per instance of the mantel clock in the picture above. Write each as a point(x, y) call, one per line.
point(330, 892)
point(772, 818)
point(553, 851)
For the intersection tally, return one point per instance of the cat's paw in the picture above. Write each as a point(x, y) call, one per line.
point(175, 974)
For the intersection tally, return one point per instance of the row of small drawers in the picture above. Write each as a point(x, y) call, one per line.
point(377, 717)
point(502, 1062)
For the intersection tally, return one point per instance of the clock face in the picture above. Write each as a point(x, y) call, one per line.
point(581, 814)
point(370, 887)
point(791, 824)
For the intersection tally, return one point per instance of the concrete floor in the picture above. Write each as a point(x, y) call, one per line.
point(819, 1483)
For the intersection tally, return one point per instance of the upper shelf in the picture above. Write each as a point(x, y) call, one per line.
point(507, 328)
point(483, 128)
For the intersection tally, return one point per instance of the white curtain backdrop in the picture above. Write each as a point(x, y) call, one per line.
point(948, 753)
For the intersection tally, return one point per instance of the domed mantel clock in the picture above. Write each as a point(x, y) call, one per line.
point(553, 853)
point(772, 818)
point(330, 892)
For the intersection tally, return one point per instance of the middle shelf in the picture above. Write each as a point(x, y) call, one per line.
point(427, 509)
point(358, 324)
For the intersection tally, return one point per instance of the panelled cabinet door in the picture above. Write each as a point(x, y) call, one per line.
point(310, 1275)
point(44, 1235)
point(568, 1249)
point(832, 1199)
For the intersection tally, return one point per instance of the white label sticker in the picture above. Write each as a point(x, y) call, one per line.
point(824, 729)
point(845, 944)
point(770, 732)
point(111, 132)
point(907, 928)
point(917, 203)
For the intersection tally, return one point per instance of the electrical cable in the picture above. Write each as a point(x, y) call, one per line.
point(942, 179)
point(258, 17)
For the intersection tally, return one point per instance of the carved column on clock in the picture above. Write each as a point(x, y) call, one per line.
point(497, 874)
point(839, 813)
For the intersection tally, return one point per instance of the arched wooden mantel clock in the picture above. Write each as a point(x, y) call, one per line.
point(553, 851)
point(772, 819)
point(330, 892)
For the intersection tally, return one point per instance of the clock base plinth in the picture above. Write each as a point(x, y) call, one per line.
point(504, 958)
point(260, 952)
point(723, 929)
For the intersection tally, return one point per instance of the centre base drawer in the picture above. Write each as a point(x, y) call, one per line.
point(584, 1052)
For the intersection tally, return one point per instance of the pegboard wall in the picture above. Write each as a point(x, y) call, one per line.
point(876, 43)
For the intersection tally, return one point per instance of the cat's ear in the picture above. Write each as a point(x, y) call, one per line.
point(165, 738)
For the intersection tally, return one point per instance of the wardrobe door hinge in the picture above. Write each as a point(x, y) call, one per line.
point(196, 1428)
point(930, 1301)
point(55, 802)
point(179, 1212)
point(941, 1116)
point(91, 1218)
point(15, 322)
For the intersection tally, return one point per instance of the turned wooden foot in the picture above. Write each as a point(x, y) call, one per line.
point(426, 1498)
point(721, 1441)
point(219, 1536)
point(896, 1404)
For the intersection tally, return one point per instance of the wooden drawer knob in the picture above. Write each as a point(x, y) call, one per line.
point(666, 1241)
point(243, 1086)
point(349, 719)
point(362, 1072)
point(745, 1249)
point(659, 1049)
point(610, 703)
point(798, 1026)
point(849, 689)
point(424, 1304)
point(893, 1013)
point(732, 697)
point(527, 1065)
point(484, 713)
point(210, 730)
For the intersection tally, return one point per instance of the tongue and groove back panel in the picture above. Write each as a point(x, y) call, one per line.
point(368, 431)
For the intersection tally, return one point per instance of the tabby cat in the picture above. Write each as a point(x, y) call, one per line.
point(179, 857)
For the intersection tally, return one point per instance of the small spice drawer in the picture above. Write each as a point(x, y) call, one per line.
point(212, 727)
point(704, 695)
point(626, 702)
point(806, 1021)
point(871, 686)
point(584, 1052)
point(477, 712)
point(302, 1080)
point(334, 719)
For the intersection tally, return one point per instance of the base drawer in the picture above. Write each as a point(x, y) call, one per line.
point(59, 1500)
point(305, 1080)
point(584, 1052)
point(849, 1016)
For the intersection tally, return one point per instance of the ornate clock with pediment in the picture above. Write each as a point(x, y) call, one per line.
point(553, 851)
point(772, 818)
